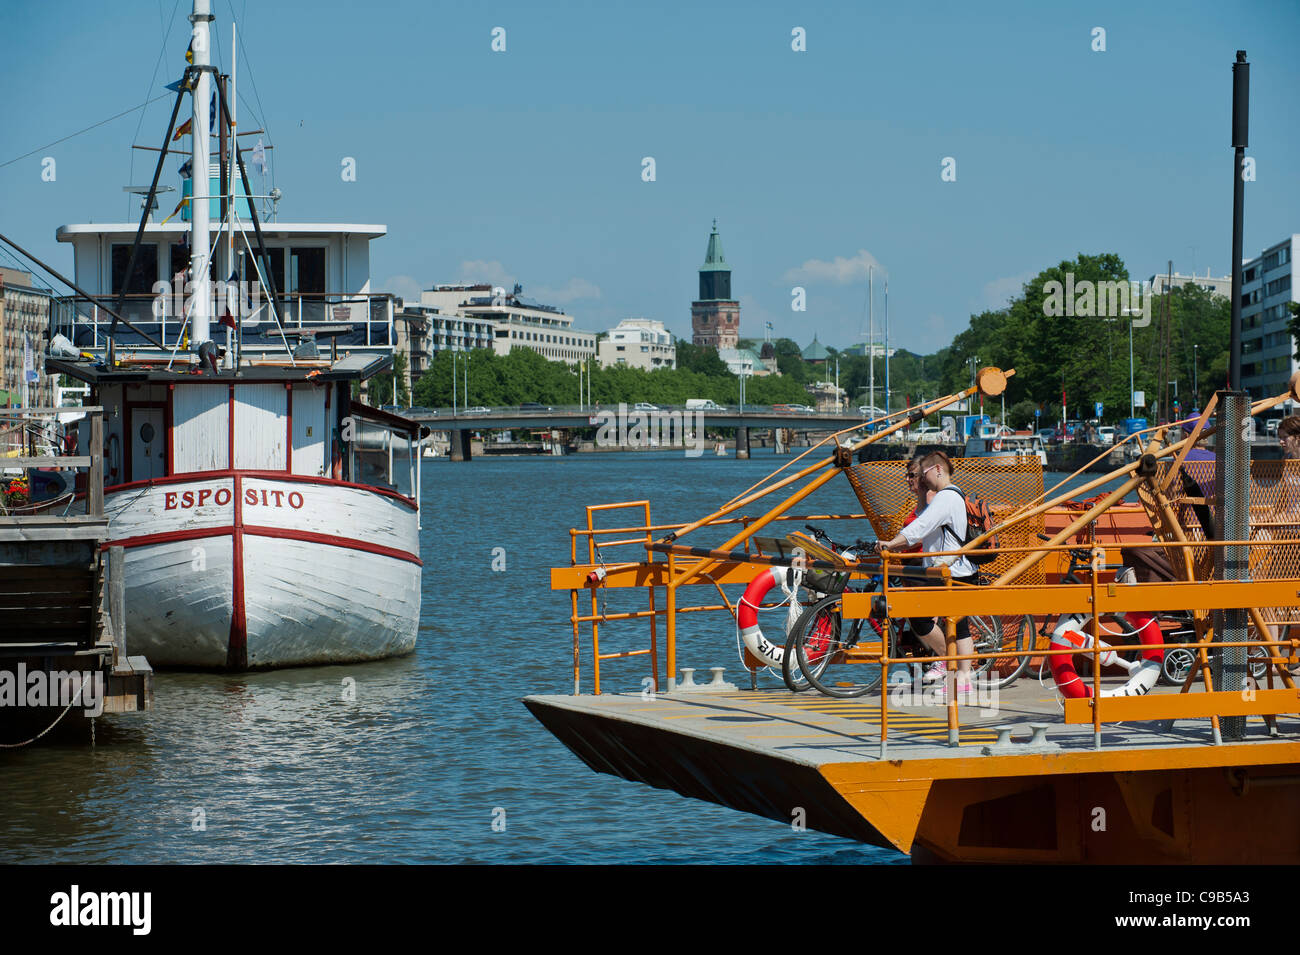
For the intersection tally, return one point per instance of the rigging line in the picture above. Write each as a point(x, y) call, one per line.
point(248, 65)
point(153, 79)
point(124, 112)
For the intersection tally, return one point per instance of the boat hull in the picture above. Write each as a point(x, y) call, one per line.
point(248, 570)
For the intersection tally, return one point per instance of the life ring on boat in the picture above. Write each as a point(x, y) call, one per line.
point(747, 615)
point(1072, 632)
point(997, 444)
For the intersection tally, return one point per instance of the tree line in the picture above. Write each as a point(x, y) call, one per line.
point(1079, 352)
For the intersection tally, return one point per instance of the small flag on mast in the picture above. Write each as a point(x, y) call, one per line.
point(259, 156)
point(183, 129)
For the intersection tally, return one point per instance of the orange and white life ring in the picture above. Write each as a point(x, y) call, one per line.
point(997, 444)
point(747, 615)
point(1072, 632)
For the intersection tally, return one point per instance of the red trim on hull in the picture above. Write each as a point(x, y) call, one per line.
point(333, 541)
point(189, 476)
point(237, 649)
point(256, 530)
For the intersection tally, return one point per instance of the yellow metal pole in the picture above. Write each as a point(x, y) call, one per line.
point(1098, 557)
point(670, 650)
point(573, 594)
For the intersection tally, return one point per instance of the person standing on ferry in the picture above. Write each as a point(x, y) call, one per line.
point(940, 526)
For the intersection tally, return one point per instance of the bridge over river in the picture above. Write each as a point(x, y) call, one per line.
point(656, 421)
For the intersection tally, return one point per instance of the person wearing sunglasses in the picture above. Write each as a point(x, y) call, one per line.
point(940, 526)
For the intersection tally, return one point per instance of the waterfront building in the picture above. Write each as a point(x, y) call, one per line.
point(862, 349)
point(744, 361)
point(1268, 285)
point(422, 331)
point(1216, 284)
point(638, 343)
point(815, 353)
point(767, 355)
point(517, 322)
point(24, 332)
point(827, 397)
point(715, 317)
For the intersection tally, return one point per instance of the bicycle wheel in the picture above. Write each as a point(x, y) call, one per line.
point(821, 638)
point(1012, 633)
point(791, 671)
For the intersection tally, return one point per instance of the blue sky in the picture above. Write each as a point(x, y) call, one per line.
point(525, 165)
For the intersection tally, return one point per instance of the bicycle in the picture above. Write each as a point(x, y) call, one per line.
point(1176, 627)
point(822, 642)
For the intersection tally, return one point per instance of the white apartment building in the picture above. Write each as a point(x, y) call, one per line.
point(517, 322)
point(1217, 284)
point(1268, 284)
point(638, 343)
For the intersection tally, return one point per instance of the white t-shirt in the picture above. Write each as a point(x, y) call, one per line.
point(942, 526)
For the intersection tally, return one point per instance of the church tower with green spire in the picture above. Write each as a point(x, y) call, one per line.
point(715, 318)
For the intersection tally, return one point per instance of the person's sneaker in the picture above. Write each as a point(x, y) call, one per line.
point(936, 672)
point(965, 691)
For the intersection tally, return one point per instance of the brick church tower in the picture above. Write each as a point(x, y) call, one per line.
point(715, 318)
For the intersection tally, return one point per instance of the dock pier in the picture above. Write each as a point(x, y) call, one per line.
point(62, 609)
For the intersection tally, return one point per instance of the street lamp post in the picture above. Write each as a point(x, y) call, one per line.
point(453, 383)
point(1196, 390)
point(1130, 312)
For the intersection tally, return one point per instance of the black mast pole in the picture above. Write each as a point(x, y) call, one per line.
point(1240, 135)
point(148, 201)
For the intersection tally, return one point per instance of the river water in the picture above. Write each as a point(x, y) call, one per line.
point(414, 759)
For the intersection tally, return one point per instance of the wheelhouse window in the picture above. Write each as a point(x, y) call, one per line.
point(143, 275)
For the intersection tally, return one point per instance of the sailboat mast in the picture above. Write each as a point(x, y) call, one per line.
point(200, 237)
point(886, 345)
point(871, 343)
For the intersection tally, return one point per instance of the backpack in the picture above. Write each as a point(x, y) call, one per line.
point(978, 520)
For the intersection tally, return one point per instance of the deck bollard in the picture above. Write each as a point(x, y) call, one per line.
point(717, 680)
point(688, 679)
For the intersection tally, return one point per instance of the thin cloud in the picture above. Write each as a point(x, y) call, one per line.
point(475, 271)
point(839, 270)
point(999, 292)
point(571, 291)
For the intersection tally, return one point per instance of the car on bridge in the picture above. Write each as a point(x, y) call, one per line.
point(534, 406)
point(477, 409)
point(645, 406)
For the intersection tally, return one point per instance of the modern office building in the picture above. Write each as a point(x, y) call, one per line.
point(1268, 285)
point(517, 322)
point(24, 334)
point(715, 317)
point(638, 343)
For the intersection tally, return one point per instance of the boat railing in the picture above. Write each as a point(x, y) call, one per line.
point(17, 465)
point(163, 316)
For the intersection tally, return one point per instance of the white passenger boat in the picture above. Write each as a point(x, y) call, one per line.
point(989, 444)
point(269, 519)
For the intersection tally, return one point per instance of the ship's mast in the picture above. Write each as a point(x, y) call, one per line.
point(200, 238)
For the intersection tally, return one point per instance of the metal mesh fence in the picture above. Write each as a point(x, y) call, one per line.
point(1274, 508)
point(1004, 485)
